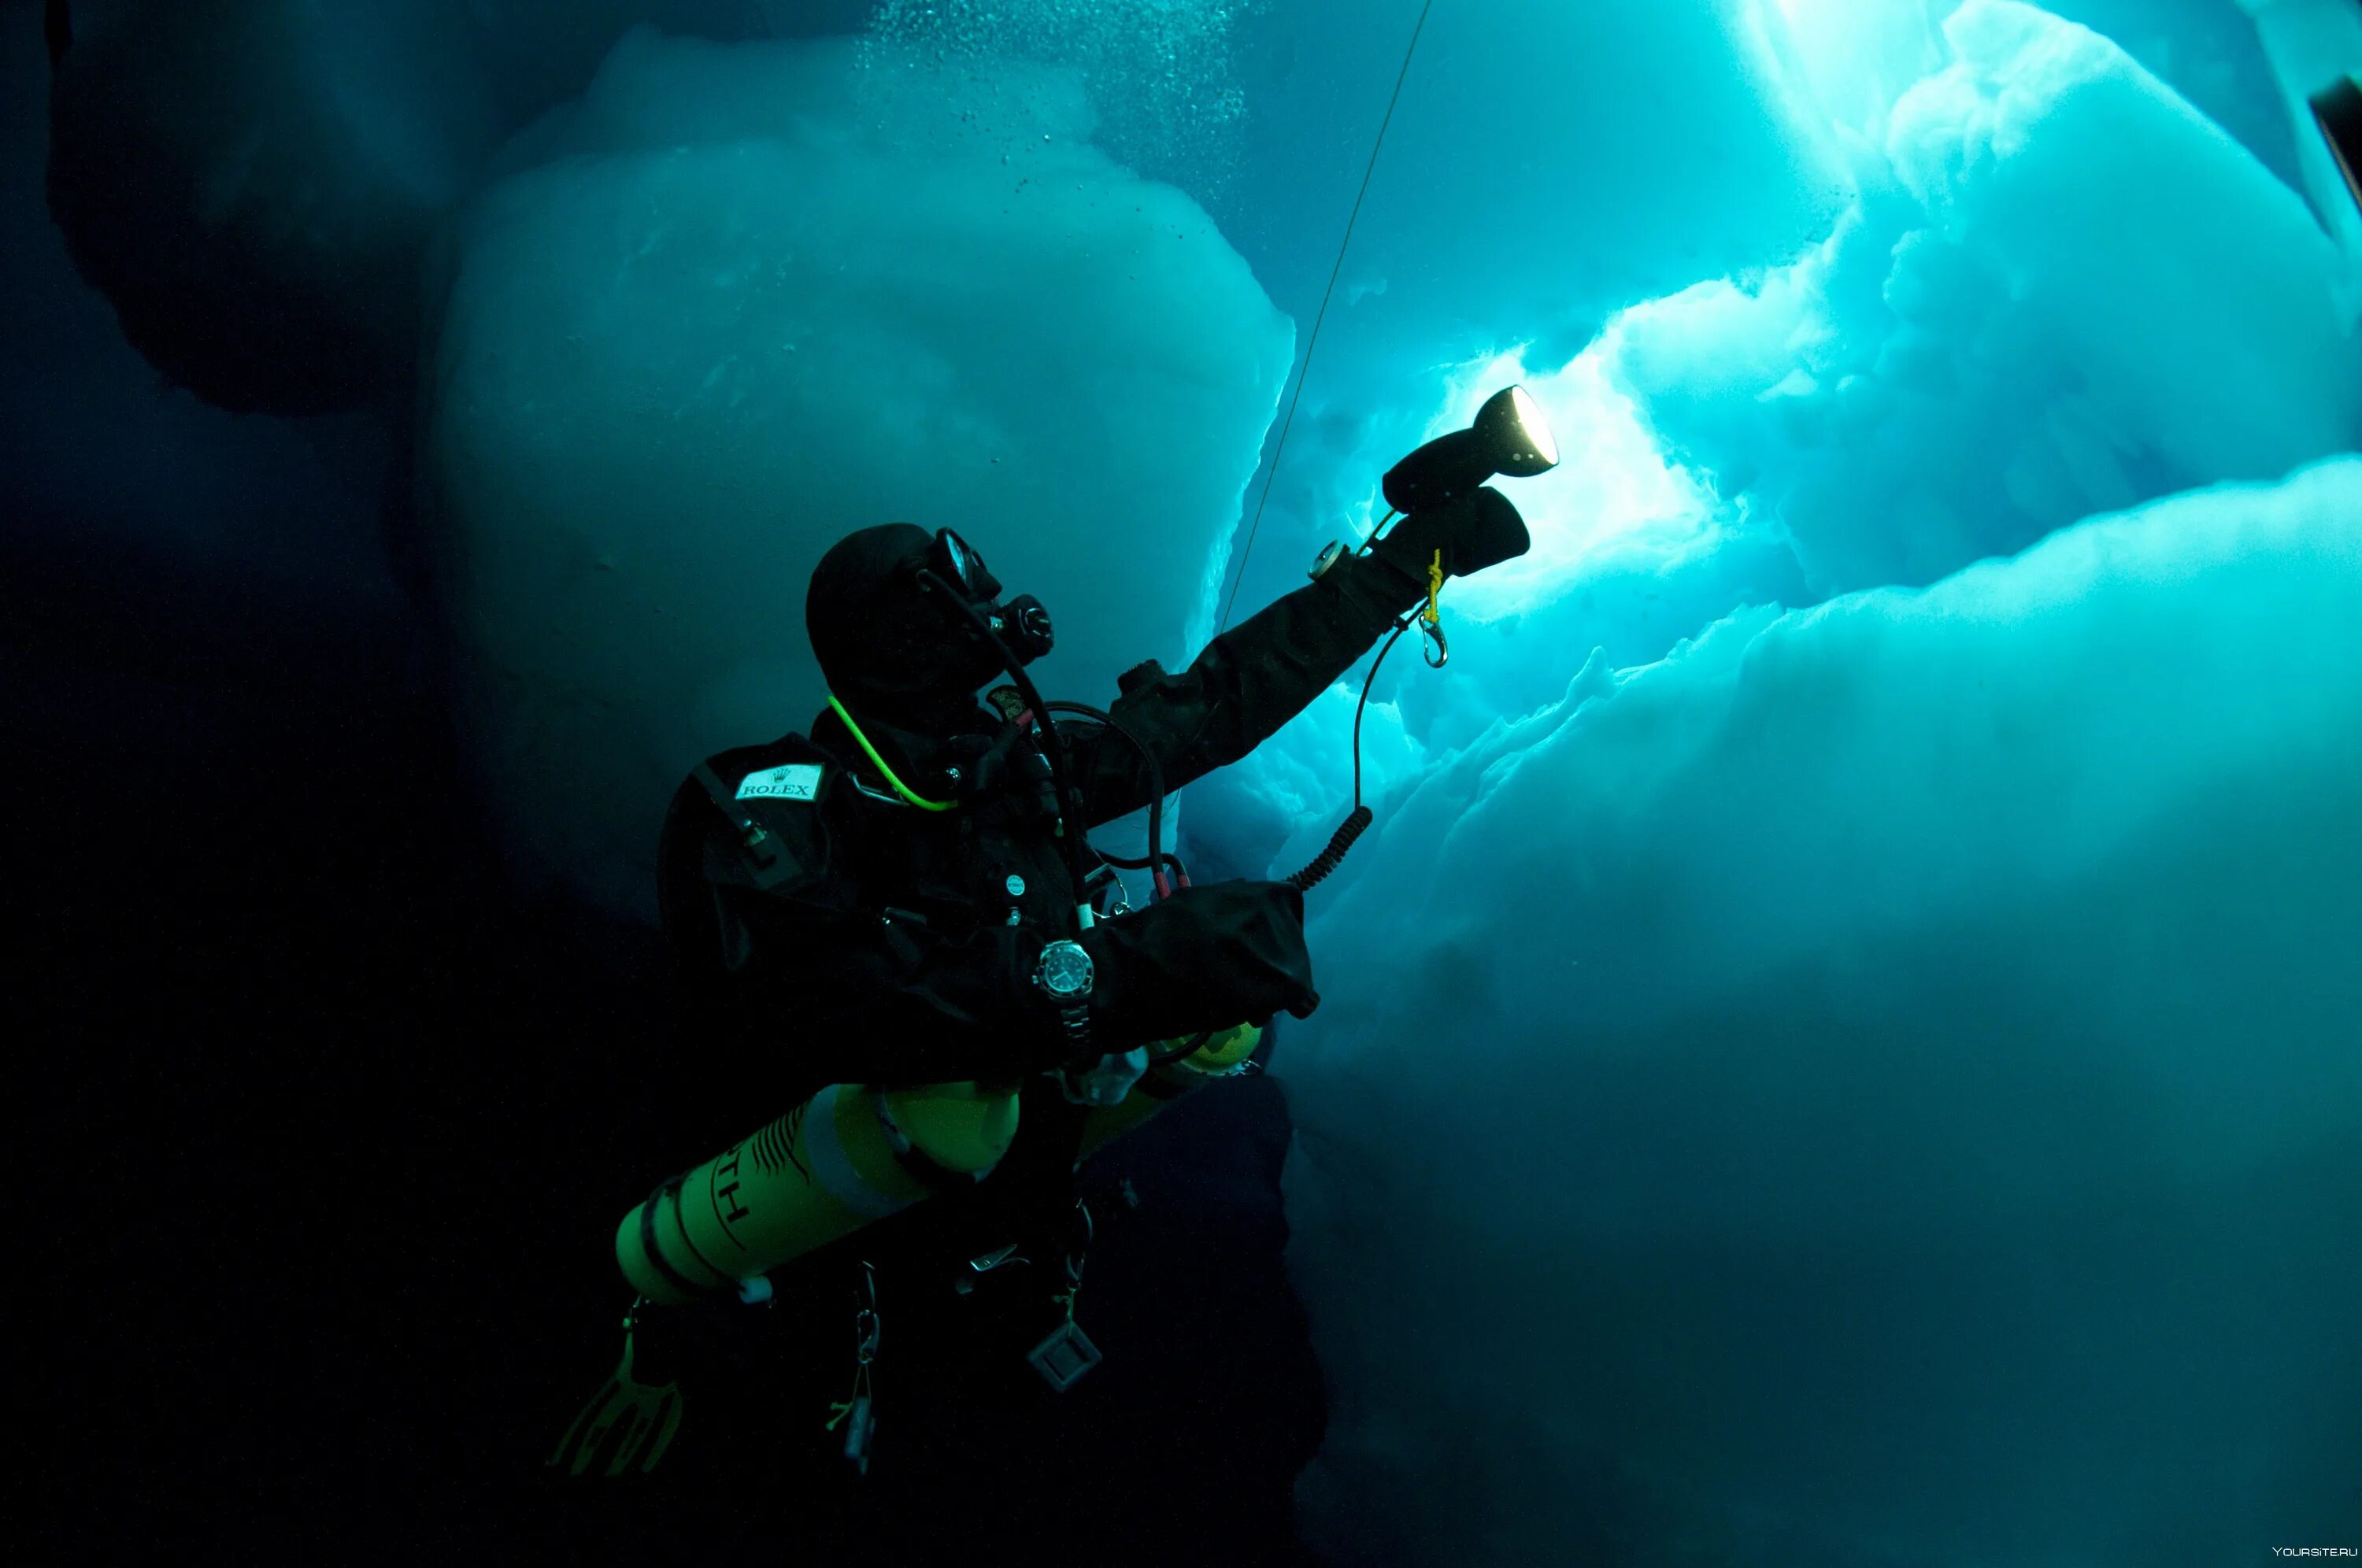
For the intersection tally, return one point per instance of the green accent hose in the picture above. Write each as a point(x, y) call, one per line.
point(900, 787)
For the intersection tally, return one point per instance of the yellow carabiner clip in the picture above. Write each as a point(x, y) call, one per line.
point(1430, 624)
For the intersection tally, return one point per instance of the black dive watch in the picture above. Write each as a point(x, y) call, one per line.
point(1064, 974)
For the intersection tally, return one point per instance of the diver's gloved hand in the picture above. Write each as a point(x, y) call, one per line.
point(1005, 769)
point(1205, 958)
point(1473, 533)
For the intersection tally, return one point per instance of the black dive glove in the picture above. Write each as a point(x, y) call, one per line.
point(1472, 533)
point(1209, 956)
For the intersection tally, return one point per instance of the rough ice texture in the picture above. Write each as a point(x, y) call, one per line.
point(741, 300)
point(2056, 290)
point(2312, 45)
point(1870, 1086)
point(1877, 1085)
point(2062, 291)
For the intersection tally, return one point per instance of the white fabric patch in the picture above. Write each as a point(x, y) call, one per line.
point(797, 781)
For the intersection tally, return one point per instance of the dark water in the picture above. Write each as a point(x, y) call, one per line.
point(323, 1126)
point(329, 1129)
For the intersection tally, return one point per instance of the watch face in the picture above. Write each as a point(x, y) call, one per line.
point(1066, 969)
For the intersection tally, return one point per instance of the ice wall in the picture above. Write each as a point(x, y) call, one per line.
point(2062, 291)
point(743, 300)
point(1870, 1087)
point(1596, 156)
point(2057, 291)
point(2312, 44)
point(1160, 75)
point(1547, 165)
point(1867, 1088)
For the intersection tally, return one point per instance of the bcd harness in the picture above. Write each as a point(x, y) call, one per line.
point(1032, 1194)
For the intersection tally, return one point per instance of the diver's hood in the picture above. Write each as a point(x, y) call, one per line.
point(889, 649)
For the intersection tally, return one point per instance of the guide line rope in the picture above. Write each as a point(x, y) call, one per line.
point(1313, 342)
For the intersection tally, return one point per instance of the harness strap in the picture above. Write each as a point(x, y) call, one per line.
point(771, 865)
point(654, 1249)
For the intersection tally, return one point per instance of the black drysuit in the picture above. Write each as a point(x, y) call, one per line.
point(882, 949)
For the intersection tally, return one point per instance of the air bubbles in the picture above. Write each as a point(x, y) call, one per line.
point(1158, 72)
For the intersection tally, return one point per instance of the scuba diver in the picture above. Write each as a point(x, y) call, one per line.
point(920, 917)
point(897, 926)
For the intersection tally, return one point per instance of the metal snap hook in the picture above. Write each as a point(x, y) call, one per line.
point(865, 1330)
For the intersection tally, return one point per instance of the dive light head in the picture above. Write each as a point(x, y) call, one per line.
point(1509, 436)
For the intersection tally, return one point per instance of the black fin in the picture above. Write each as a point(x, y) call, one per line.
point(56, 21)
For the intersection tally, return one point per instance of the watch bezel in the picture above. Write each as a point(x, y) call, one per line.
point(1069, 958)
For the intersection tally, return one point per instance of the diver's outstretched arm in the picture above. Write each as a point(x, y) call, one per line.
point(1262, 672)
point(1237, 693)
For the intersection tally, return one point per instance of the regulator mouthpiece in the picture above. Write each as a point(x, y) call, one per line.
point(1021, 628)
point(1024, 626)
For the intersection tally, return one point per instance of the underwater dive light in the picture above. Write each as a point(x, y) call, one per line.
point(1510, 437)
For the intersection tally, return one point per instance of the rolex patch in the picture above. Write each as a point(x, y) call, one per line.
point(796, 781)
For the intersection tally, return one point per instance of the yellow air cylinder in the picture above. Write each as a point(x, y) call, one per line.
point(823, 1170)
point(1161, 1086)
point(831, 1166)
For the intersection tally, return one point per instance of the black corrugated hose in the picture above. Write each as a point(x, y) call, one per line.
point(1358, 820)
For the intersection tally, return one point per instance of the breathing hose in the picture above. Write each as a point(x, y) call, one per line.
point(1189, 1047)
point(1053, 748)
point(1357, 821)
point(1156, 858)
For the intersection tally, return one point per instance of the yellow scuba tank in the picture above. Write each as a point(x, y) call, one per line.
point(1217, 1057)
point(823, 1170)
point(850, 1156)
